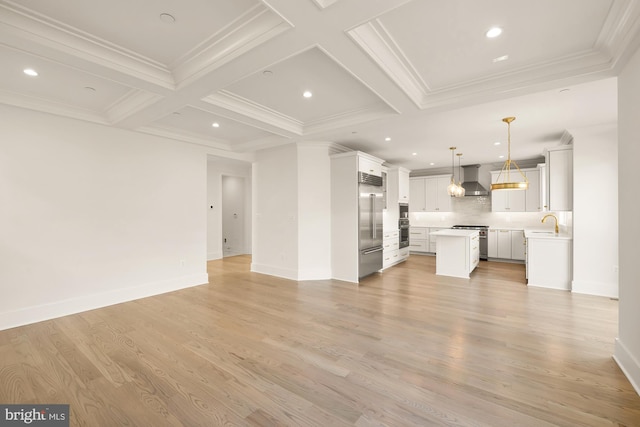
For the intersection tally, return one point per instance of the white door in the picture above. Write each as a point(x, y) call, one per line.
point(233, 215)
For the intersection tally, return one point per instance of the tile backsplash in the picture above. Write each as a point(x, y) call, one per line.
point(477, 211)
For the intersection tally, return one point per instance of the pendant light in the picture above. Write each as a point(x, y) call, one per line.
point(460, 191)
point(452, 188)
point(504, 181)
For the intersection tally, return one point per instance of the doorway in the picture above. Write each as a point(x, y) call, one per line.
point(233, 215)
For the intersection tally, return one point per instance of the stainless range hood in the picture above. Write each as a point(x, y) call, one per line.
point(471, 185)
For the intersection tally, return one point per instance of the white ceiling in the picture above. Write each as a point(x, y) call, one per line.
point(420, 72)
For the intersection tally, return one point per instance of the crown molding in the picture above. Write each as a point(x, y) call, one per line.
point(260, 144)
point(323, 4)
point(183, 137)
point(566, 138)
point(376, 41)
point(618, 36)
point(129, 104)
point(51, 107)
point(346, 119)
point(39, 34)
point(230, 101)
point(253, 28)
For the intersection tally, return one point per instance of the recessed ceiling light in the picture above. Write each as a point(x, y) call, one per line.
point(414, 154)
point(167, 18)
point(496, 143)
point(501, 58)
point(431, 164)
point(215, 124)
point(493, 32)
point(307, 94)
point(387, 139)
point(501, 157)
point(30, 72)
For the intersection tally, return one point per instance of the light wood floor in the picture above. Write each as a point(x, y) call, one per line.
point(404, 348)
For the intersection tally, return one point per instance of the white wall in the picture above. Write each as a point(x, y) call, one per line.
point(627, 352)
point(275, 212)
point(93, 215)
point(314, 211)
point(595, 207)
point(218, 167)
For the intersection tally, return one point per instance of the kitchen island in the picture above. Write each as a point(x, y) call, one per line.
point(457, 252)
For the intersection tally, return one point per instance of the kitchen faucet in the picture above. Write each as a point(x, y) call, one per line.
point(552, 216)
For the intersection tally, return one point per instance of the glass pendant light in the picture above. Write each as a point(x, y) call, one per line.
point(452, 187)
point(460, 192)
point(504, 181)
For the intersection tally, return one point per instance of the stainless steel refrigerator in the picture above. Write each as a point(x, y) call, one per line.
point(370, 223)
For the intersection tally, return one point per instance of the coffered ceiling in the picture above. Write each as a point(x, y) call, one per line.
point(420, 73)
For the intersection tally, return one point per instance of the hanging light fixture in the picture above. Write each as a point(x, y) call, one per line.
point(452, 188)
point(460, 191)
point(504, 182)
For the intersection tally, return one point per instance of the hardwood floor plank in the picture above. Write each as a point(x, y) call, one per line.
point(405, 347)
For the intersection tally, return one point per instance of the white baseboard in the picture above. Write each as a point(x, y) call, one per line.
point(285, 273)
point(628, 364)
point(214, 255)
point(595, 288)
point(314, 274)
point(39, 313)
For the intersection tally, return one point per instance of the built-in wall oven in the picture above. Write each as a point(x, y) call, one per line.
point(403, 225)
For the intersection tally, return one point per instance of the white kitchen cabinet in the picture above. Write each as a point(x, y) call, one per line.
point(398, 188)
point(518, 245)
point(418, 195)
point(370, 166)
point(391, 248)
point(458, 252)
point(549, 262)
point(403, 185)
point(432, 242)
point(506, 244)
point(534, 201)
point(559, 162)
point(507, 200)
point(419, 239)
point(429, 194)
point(529, 200)
point(492, 243)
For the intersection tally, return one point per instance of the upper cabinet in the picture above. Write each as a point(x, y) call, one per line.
point(560, 178)
point(530, 200)
point(398, 185)
point(403, 185)
point(533, 195)
point(369, 165)
point(429, 194)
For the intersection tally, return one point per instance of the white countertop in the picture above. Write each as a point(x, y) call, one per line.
point(455, 233)
point(545, 233)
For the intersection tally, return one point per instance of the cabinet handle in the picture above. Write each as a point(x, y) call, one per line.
point(504, 231)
